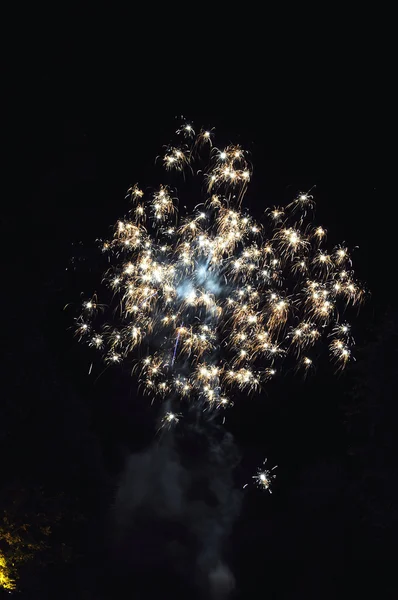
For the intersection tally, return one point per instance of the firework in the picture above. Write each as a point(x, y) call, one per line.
point(264, 478)
point(170, 419)
point(216, 301)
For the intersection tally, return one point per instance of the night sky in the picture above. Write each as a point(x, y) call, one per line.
point(65, 432)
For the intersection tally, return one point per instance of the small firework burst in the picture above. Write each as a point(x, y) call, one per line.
point(170, 419)
point(218, 300)
point(264, 478)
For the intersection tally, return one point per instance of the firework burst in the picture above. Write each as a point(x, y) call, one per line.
point(216, 301)
point(265, 477)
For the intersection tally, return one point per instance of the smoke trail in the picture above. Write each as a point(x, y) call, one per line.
point(174, 510)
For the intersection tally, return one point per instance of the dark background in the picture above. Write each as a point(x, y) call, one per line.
point(66, 433)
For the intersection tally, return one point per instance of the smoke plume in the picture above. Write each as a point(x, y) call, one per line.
point(174, 510)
